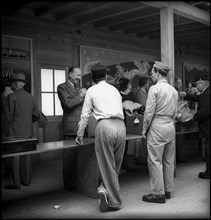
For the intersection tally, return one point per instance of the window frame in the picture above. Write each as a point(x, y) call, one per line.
point(51, 118)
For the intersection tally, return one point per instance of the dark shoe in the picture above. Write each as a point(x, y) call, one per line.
point(70, 188)
point(204, 175)
point(11, 187)
point(154, 198)
point(131, 169)
point(102, 194)
point(168, 195)
point(113, 209)
point(181, 160)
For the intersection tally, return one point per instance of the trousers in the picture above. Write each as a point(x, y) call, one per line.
point(109, 148)
point(161, 154)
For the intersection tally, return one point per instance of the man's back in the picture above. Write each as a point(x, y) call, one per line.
point(106, 100)
point(165, 97)
point(19, 111)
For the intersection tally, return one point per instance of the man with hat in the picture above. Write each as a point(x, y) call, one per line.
point(158, 127)
point(202, 116)
point(20, 109)
point(105, 102)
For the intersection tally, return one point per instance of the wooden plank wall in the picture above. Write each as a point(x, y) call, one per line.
point(51, 46)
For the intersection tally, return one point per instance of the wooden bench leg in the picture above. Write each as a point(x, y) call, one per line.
point(87, 171)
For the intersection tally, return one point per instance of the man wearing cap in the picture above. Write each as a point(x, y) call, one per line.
point(20, 109)
point(105, 102)
point(202, 116)
point(158, 127)
point(71, 96)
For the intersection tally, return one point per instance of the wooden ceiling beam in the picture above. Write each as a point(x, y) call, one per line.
point(182, 9)
point(49, 8)
point(133, 23)
point(143, 28)
point(141, 31)
point(113, 9)
point(82, 8)
point(128, 16)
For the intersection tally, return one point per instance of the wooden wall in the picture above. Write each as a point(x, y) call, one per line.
point(55, 46)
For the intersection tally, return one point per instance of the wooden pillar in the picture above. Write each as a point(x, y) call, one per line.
point(167, 40)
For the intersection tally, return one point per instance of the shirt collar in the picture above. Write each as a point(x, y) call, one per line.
point(162, 80)
point(71, 83)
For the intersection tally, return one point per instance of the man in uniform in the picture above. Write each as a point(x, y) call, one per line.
point(158, 126)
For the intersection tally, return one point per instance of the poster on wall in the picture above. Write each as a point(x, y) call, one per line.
point(118, 64)
point(194, 72)
point(16, 58)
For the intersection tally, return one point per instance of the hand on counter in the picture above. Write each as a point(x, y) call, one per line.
point(79, 140)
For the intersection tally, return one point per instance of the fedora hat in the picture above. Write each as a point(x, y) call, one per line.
point(18, 77)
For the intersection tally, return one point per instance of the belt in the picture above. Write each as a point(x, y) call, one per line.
point(110, 118)
point(159, 115)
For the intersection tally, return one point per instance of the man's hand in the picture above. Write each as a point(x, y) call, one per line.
point(79, 140)
point(82, 92)
point(144, 134)
point(182, 94)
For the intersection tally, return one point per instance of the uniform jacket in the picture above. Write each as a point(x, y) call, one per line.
point(161, 107)
point(202, 116)
point(71, 103)
point(20, 108)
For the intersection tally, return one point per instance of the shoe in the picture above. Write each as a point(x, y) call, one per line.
point(204, 175)
point(113, 209)
point(103, 201)
point(70, 188)
point(167, 195)
point(11, 187)
point(154, 198)
point(131, 169)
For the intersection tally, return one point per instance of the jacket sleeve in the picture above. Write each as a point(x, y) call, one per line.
point(150, 109)
point(68, 100)
point(9, 111)
point(203, 111)
point(192, 97)
point(36, 113)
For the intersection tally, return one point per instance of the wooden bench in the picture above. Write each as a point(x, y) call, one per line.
point(87, 169)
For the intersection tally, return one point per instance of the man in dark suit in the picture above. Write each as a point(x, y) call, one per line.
point(19, 111)
point(202, 116)
point(72, 98)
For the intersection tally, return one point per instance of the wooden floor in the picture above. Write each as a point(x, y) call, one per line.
point(190, 199)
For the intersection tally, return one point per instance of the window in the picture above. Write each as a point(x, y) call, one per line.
point(50, 79)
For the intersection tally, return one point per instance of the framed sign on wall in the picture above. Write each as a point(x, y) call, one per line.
point(16, 58)
point(118, 64)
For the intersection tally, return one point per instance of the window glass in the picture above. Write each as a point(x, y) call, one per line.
point(58, 107)
point(46, 80)
point(47, 104)
point(59, 77)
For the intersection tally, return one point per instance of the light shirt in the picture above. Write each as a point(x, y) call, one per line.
point(161, 101)
point(104, 101)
